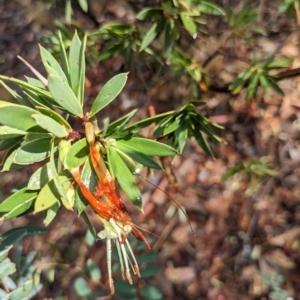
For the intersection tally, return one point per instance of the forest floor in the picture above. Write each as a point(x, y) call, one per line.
point(247, 228)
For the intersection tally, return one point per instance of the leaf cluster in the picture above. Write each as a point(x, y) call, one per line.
point(19, 278)
point(258, 75)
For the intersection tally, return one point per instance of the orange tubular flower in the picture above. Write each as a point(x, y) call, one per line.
point(111, 211)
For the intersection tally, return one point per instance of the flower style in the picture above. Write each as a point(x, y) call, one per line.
point(114, 231)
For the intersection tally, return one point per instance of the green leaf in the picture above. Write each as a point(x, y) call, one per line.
point(9, 113)
point(17, 203)
point(169, 40)
point(125, 178)
point(14, 93)
point(35, 82)
point(63, 56)
point(285, 62)
point(64, 96)
point(81, 287)
point(77, 154)
point(152, 292)
point(202, 141)
point(32, 152)
point(94, 270)
point(90, 180)
point(84, 5)
point(62, 183)
point(149, 13)
point(51, 213)
point(27, 261)
point(272, 83)
point(5, 144)
point(81, 83)
point(47, 197)
point(22, 84)
point(8, 160)
point(11, 237)
point(22, 292)
point(152, 33)
point(68, 11)
point(6, 268)
point(210, 8)
point(232, 171)
point(188, 23)
point(147, 257)
point(167, 128)
point(7, 132)
point(125, 290)
point(252, 87)
point(49, 60)
point(182, 133)
point(54, 115)
point(150, 271)
point(147, 147)
point(120, 123)
point(50, 125)
point(138, 156)
point(31, 136)
point(127, 160)
point(109, 92)
point(74, 62)
point(136, 127)
point(36, 99)
point(4, 253)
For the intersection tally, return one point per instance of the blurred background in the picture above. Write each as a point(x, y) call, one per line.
point(243, 205)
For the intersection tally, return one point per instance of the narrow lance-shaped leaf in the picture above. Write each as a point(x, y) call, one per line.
point(54, 115)
point(148, 147)
point(169, 40)
point(6, 268)
point(22, 84)
point(138, 156)
point(5, 144)
point(63, 56)
point(17, 204)
point(152, 33)
point(17, 116)
point(125, 178)
point(47, 197)
point(210, 8)
point(84, 5)
point(148, 121)
point(14, 93)
point(48, 59)
point(74, 62)
point(7, 132)
point(50, 125)
point(188, 23)
point(252, 88)
point(77, 154)
point(67, 201)
point(51, 213)
point(32, 152)
point(121, 122)
point(22, 292)
point(202, 141)
point(40, 177)
point(272, 84)
point(8, 160)
point(109, 92)
point(64, 96)
point(149, 13)
point(81, 83)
